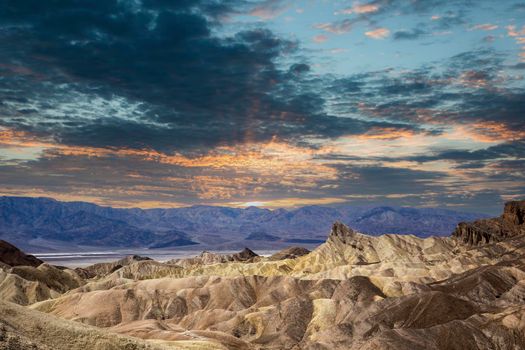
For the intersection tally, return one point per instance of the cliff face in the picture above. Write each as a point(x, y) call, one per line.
point(514, 213)
point(511, 223)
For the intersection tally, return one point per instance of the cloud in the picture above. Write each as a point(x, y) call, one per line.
point(359, 9)
point(164, 62)
point(320, 38)
point(449, 19)
point(269, 9)
point(513, 31)
point(386, 133)
point(379, 33)
point(453, 13)
point(449, 95)
point(339, 27)
point(519, 36)
point(409, 34)
point(365, 8)
point(177, 106)
point(486, 27)
point(518, 7)
point(489, 39)
point(513, 149)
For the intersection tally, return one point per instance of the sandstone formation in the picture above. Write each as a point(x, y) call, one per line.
point(510, 223)
point(353, 292)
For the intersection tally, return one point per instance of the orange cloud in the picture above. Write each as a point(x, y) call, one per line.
point(268, 10)
point(320, 38)
point(488, 131)
point(366, 8)
point(386, 134)
point(251, 165)
point(359, 9)
point(379, 33)
point(486, 27)
point(512, 31)
point(473, 79)
point(10, 138)
point(519, 36)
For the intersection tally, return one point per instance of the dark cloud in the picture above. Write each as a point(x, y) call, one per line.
point(370, 180)
point(515, 149)
point(518, 7)
point(520, 65)
point(413, 34)
point(195, 89)
point(489, 39)
point(203, 90)
point(450, 19)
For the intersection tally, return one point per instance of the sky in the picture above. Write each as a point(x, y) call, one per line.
point(272, 103)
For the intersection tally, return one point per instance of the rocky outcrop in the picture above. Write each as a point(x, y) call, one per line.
point(12, 256)
point(289, 253)
point(341, 233)
point(209, 258)
point(244, 255)
point(511, 223)
point(514, 213)
point(104, 269)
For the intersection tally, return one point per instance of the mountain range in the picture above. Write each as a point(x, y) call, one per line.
point(48, 224)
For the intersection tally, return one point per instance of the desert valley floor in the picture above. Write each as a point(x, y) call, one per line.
point(466, 291)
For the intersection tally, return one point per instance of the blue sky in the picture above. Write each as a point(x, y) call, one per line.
point(157, 103)
point(444, 31)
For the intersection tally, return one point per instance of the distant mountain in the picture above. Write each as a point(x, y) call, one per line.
point(43, 223)
point(261, 236)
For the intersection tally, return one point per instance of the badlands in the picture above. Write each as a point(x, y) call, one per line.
point(355, 291)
